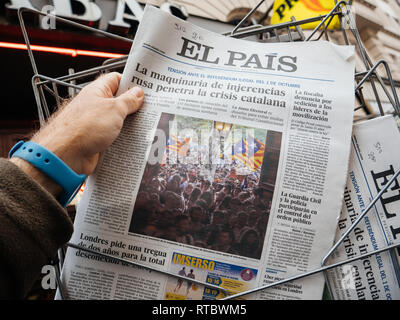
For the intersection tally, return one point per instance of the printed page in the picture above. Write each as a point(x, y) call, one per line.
point(374, 158)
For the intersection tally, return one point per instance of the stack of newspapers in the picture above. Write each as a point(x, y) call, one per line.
point(242, 169)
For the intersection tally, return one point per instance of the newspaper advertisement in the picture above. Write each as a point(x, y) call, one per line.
point(374, 157)
point(232, 173)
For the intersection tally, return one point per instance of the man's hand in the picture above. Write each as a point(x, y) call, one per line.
point(85, 127)
point(89, 123)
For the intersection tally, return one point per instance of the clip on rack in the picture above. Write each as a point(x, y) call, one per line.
point(283, 32)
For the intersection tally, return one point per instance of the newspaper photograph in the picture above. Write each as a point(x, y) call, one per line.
point(203, 215)
point(373, 162)
point(231, 174)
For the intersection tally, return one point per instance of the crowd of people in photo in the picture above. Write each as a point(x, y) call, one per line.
point(229, 214)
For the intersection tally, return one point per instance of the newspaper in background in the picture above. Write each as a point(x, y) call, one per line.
point(374, 159)
point(232, 173)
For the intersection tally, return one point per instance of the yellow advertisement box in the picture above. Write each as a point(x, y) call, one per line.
point(283, 10)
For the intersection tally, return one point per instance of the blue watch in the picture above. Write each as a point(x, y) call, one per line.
point(47, 162)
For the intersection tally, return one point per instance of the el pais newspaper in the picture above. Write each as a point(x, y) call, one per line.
point(232, 173)
point(374, 160)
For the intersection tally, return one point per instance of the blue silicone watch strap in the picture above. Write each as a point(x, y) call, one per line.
point(52, 166)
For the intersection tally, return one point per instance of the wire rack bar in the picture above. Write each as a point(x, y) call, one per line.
point(310, 273)
point(247, 16)
point(141, 265)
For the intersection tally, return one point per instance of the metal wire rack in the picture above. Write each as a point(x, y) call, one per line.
point(46, 86)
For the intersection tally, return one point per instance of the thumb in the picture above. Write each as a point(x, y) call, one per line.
point(130, 101)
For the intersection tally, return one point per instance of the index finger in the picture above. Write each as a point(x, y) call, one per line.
point(106, 85)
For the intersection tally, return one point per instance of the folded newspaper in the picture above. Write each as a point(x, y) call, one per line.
point(374, 160)
point(232, 174)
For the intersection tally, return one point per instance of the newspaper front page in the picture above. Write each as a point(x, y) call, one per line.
point(374, 157)
point(232, 173)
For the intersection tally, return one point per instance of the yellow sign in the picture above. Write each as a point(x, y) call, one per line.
point(303, 9)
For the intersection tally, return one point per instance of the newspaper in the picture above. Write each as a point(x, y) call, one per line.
point(374, 157)
point(232, 173)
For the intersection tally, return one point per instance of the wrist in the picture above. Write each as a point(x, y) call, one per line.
point(50, 165)
point(63, 148)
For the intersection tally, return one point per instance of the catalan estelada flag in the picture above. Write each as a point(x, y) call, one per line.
point(239, 151)
point(255, 152)
point(178, 146)
point(250, 152)
point(283, 10)
point(173, 144)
